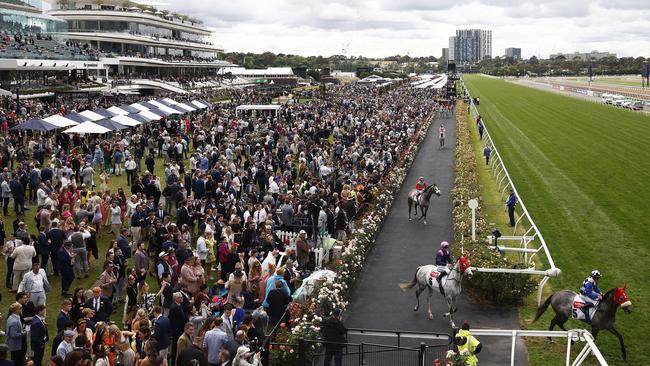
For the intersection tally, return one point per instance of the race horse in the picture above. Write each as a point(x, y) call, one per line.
point(421, 199)
point(566, 305)
point(426, 278)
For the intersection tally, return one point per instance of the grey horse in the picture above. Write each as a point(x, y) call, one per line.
point(603, 318)
point(452, 288)
point(421, 199)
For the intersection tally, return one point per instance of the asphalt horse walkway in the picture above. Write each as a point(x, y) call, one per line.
point(377, 302)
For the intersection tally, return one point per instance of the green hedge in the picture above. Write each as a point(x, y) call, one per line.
point(497, 288)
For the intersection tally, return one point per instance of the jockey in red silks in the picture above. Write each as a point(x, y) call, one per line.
point(420, 186)
point(443, 261)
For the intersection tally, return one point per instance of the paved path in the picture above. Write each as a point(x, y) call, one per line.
point(378, 302)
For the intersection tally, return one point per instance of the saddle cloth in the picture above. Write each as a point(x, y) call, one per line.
point(577, 306)
point(433, 279)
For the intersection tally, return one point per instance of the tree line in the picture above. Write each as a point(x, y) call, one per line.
point(508, 66)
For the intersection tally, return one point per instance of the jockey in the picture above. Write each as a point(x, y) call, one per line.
point(443, 261)
point(421, 186)
point(591, 292)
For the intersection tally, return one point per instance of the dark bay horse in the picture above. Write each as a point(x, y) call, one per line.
point(422, 200)
point(603, 318)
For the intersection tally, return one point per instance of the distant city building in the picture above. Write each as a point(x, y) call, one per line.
point(584, 56)
point(514, 53)
point(452, 49)
point(470, 45)
point(445, 53)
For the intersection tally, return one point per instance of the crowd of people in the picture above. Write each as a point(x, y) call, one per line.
point(192, 249)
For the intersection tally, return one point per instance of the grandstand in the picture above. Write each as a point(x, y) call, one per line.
point(114, 40)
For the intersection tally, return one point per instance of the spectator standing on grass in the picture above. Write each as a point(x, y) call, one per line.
point(22, 256)
point(38, 334)
point(510, 204)
point(35, 284)
point(486, 153)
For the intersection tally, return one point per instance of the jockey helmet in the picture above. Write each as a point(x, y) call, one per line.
point(595, 274)
point(444, 244)
point(421, 178)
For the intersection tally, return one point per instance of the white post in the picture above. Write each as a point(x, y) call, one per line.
point(473, 204)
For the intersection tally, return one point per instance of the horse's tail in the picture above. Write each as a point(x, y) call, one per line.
point(410, 285)
point(542, 309)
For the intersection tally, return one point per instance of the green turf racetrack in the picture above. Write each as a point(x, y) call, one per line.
point(583, 170)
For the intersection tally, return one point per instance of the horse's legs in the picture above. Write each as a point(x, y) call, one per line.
point(423, 212)
point(618, 335)
point(429, 302)
point(417, 298)
point(409, 208)
point(551, 326)
point(452, 310)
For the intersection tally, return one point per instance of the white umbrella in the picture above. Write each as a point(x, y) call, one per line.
point(126, 121)
point(117, 110)
point(92, 115)
point(60, 121)
point(139, 107)
point(150, 115)
point(88, 127)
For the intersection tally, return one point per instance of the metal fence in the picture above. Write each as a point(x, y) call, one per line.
point(527, 243)
point(375, 347)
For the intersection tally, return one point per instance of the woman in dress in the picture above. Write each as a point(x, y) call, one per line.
point(211, 257)
point(141, 318)
point(78, 304)
point(104, 180)
point(254, 278)
point(186, 234)
point(146, 299)
point(97, 217)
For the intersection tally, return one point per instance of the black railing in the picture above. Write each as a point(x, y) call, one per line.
point(314, 351)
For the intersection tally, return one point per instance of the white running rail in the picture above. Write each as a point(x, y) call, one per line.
point(503, 183)
point(574, 335)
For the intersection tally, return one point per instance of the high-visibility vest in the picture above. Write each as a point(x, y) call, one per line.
point(470, 346)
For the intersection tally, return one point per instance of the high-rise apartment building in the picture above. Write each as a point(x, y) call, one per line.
point(452, 49)
point(470, 45)
point(514, 53)
point(445, 53)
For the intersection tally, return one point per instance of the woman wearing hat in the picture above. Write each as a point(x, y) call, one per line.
point(245, 357)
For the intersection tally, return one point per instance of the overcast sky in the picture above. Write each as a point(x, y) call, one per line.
point(378, 28)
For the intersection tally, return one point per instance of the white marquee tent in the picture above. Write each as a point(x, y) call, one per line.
point(88, 127)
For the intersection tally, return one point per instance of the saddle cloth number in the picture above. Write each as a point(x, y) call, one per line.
point(577, 308)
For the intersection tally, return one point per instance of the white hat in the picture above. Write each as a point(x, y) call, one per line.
point(302, 232)
point(162, 254)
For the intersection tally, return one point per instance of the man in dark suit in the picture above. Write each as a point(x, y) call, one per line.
point(64, 315)
point(38, 334)
point(178, 318)
point(162, 331)
point(101, 305)
point(56, 237)
point(183, 215)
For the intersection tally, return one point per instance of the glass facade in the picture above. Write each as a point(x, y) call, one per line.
point(133, 28)
point(15, 21)
point(38, 4)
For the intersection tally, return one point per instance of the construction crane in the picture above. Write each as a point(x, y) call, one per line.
point(344, 50)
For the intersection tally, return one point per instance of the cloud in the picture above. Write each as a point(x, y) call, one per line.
point(378, 28)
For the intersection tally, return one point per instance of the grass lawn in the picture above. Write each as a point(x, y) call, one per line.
point(54, 298)
point(582, 170)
